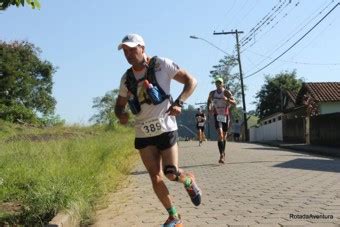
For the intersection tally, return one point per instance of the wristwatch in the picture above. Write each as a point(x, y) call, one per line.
point(179, 103)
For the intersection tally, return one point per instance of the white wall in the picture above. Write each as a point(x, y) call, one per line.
point(329, 107)
point(270, 131)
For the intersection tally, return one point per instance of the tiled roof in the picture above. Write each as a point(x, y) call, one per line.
point(324, 92)
point(292, 95)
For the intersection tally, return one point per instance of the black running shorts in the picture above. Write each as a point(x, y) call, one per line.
point(222, 125)
point(199, 127)
point(162, 141)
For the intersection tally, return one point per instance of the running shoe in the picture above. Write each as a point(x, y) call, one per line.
point(222, 158)
point(173, 221)
point(193, 191)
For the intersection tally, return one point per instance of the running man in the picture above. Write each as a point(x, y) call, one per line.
point(155, 124)
point(219, 101)
point(200, 122)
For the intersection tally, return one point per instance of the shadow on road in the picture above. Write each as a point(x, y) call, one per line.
point(312, 164)
point(202, 165)
point(262, 148)
point(250, 162)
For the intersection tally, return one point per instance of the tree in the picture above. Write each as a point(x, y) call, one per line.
point(270, 95)
point(25, 83)
point(232, 81)
point(105, 106)
point(4, 4)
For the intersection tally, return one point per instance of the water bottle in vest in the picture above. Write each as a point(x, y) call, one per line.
point(153, 92)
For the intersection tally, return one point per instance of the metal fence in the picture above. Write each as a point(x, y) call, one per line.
point(293, 130)
point(325, 129)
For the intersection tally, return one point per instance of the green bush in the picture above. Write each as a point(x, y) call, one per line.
point(17, 113)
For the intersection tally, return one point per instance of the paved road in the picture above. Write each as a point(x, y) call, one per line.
point(258, 186)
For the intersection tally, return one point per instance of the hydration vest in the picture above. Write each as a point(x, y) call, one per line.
point(150, 75)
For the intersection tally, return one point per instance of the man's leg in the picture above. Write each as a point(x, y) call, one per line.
point(225, 135)
point(152, 162)
point(203, 135)
point(200, 135)
point(220, 143)
point(174, 173)
point(219, 131)
point(225, 127)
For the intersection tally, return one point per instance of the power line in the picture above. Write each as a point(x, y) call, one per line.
point(294, 43)
point(258, 25)
point(271, 28)
point(195, 37)
point(241, 21)
point(322, 32)
point(239, 16)
point(231, 8)
point(297, 62)
point(292, 35)
point(265, 21)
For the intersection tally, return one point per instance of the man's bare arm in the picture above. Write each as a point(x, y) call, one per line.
point(209, 102)
point(230, 99)
point(120, 111)
point(190, 84)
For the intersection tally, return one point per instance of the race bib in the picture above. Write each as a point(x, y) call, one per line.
point(201, 124)
point(221, 118)
point(153, 127)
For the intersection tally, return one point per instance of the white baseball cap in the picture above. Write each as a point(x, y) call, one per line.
point(131, 40)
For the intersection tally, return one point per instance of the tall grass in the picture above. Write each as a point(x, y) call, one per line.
point(70, 169)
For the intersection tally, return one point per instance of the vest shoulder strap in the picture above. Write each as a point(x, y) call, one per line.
point(132, 84)
point(150, 73)
point(151, 76)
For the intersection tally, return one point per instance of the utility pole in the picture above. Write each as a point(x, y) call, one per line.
point(241, 78)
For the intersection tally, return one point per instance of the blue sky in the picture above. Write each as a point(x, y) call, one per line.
point(81, 38)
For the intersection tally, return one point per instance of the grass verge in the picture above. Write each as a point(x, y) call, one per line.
point(45, 171)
